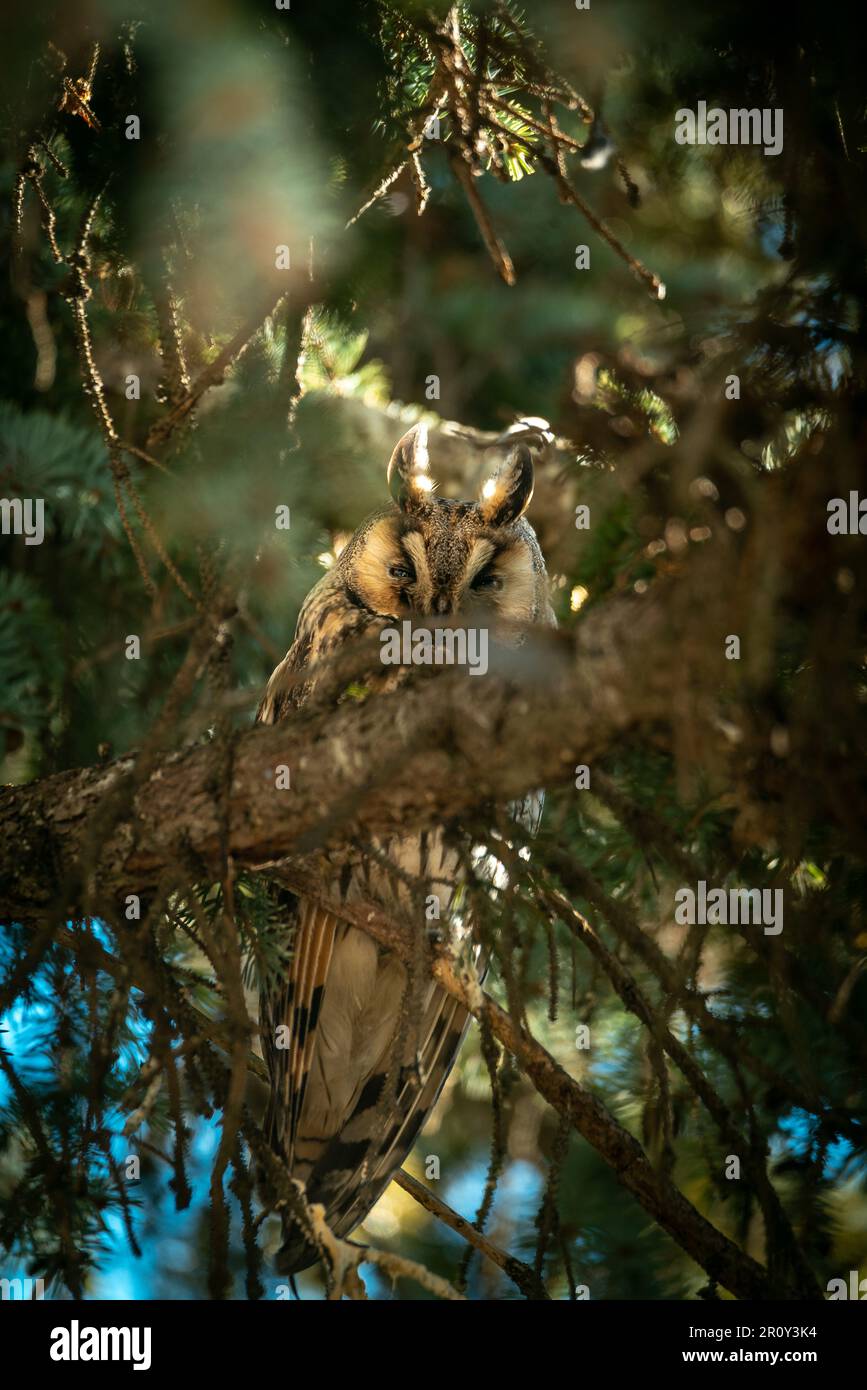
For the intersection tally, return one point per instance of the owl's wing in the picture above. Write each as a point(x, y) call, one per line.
point(290, 1018)
point(444, 1026)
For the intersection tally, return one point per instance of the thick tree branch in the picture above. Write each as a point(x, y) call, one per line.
point(556, 701)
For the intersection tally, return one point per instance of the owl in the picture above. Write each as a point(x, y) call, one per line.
point(344, 1110)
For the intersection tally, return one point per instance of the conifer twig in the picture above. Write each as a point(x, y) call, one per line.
point(521, 1274)
point(215, 372)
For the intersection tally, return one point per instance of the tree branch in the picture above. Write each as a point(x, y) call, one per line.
point(522, 1276)
point(557, 700)
point(723, 1261)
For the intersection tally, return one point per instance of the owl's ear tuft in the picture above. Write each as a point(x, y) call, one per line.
point(506, 495)
point(409, 480)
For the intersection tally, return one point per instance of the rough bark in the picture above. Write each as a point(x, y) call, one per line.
point(432, 752)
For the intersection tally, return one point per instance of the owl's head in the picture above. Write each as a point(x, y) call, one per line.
point(429, 555)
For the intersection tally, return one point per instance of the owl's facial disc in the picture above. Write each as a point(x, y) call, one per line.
point(445, 560)
point(382, 571)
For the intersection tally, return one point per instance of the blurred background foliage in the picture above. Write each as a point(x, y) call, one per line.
point(263, 128)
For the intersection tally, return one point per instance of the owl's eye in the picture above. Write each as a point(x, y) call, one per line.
point(487, 580)
point(400, 572)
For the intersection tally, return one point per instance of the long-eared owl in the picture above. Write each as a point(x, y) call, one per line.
point(330, 1118)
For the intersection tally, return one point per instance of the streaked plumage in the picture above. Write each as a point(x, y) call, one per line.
point(330, 1118)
